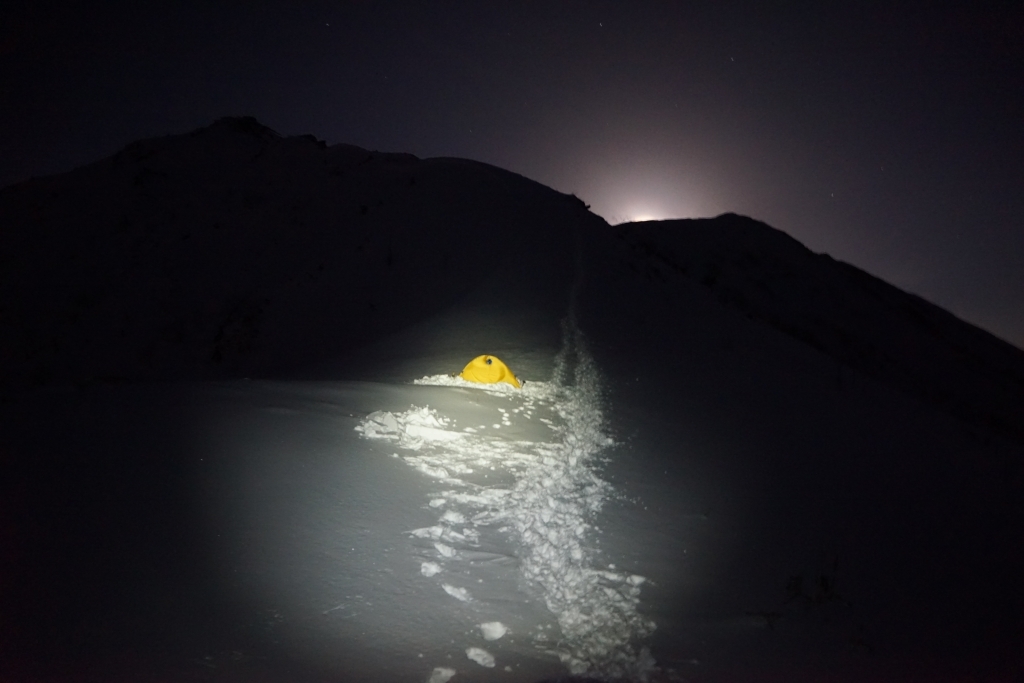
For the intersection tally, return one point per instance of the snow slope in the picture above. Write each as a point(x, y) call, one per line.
point(733, 460)
point(862, 322)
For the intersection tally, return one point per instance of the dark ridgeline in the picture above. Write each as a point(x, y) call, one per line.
point(864, 323)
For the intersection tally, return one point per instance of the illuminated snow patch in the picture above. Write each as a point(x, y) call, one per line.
point(457, 593)
point(441, 674)
point(548, 496)
point(410, 429)
point(480, 656)
point(456, 381)
point(493, 630)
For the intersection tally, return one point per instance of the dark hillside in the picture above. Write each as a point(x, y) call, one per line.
point(864, 323)
point(232, 251)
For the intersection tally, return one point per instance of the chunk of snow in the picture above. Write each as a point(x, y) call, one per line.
point(430, 568)
point(492, 630)
point(441, 674)
point(436, 472)
point(480, 656)
point(458, 593)
point(445, 550)
point(428, 532)
point(452, 517)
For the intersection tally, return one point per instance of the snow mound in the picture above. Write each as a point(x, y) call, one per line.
point(530, 389)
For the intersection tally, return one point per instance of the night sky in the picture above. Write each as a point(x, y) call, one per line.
point(890, 135)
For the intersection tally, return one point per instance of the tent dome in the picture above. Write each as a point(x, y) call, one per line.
point(489, 370)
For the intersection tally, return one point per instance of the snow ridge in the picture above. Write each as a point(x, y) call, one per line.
point(546, 499)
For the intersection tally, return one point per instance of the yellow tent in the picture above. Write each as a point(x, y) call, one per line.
point(489, 370)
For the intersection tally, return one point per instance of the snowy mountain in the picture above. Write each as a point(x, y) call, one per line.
point(864, 323)
point(232, 251)
point(732, 459)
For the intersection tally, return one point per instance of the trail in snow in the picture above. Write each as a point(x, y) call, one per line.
point(544, 495)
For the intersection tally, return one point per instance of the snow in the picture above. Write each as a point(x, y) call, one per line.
point(480, 656)
point(493, 630)
point(458, 593)
point(699, 480)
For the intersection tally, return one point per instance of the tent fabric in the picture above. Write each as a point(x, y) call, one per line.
point(489, 370)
